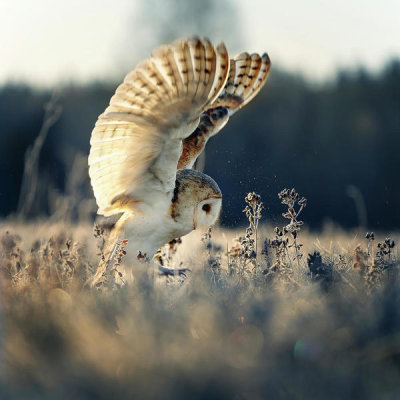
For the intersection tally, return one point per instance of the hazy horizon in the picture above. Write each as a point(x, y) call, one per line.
point(50, 43)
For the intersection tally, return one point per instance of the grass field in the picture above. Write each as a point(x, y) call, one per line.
point(275, 314)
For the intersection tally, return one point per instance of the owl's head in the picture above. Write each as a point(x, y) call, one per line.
point(197, 200)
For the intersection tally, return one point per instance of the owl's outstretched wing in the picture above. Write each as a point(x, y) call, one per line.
point(247, 75)
point(137, 141)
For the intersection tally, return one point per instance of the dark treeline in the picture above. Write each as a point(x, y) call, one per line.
point(335, 143)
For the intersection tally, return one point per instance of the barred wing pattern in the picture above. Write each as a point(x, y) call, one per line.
point(247, 75)
point(137, 141)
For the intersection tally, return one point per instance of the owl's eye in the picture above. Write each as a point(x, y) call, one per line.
point(214, 115)
point(206, 208)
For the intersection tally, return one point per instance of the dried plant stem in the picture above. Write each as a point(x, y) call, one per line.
point(30, 176)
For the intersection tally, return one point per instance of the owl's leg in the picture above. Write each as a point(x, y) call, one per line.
point(164, 271)
point(159, 260)
point(211, 122)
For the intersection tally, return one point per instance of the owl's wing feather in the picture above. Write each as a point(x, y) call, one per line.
point(247, 75)
point(137, 141)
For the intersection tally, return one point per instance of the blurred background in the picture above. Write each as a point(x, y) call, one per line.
point(327, 122)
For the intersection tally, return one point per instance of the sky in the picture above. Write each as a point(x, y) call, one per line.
point(47, 42)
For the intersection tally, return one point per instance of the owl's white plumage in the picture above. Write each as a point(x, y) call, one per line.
point(159, 119)
point(136, 143)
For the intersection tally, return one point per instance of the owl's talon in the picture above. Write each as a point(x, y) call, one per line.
point(163, 271)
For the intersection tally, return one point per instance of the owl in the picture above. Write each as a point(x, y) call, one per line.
point(144, 145)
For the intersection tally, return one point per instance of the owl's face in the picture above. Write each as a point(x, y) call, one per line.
point(207, 212)
point(196, 201)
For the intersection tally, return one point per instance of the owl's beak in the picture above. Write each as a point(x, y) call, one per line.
point(195, 219)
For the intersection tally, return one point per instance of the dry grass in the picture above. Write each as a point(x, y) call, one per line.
point(304, 316)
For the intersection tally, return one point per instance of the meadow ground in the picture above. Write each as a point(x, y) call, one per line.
point(291, 315)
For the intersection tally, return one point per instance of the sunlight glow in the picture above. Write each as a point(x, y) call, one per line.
point(45, 41)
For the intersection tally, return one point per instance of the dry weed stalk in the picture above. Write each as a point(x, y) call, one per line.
point(371, 268)
point(320, 271)
point(290, 198)
point(253, 214)
point(285, 240)
point(30, 177)
point(370, 236)
point(213, 266)
point(242, 257)
point(57, 262)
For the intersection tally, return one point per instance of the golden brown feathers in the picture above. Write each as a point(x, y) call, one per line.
point(247, 75)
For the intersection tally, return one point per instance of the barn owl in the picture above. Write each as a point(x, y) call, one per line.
point(144, 145)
